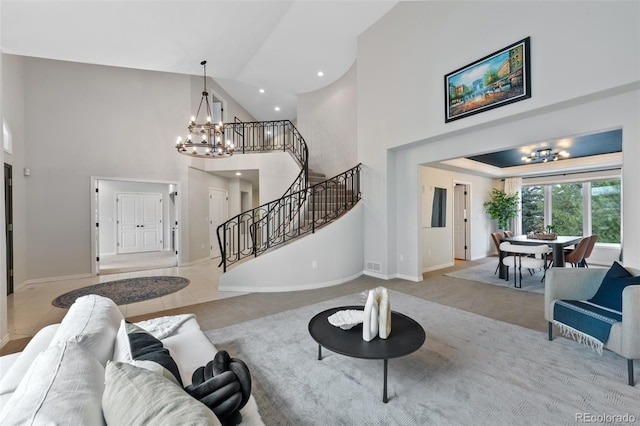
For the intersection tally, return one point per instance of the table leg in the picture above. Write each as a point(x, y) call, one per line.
point(558, 256)
point(384, 389)
point(319, 353)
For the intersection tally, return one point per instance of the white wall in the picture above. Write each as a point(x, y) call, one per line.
point(437, 243)
point(327, 121)
point(198, 200)
point(277, 171)
point(232, 108)
point(336, 250)
point(92, 121)
point(571, 93)
point(236, 187)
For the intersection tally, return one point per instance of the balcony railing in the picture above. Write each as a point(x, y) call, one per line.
point(301, 210)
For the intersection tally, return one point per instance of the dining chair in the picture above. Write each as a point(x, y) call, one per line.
point(508, 234)
point(575, 256)
point(497, 237)
point(587, 253)
point(519, 257)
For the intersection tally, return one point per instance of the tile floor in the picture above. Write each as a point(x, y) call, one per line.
point(30, 308)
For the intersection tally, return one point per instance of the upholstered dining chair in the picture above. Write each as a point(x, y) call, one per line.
point(519, 257)
point(508, 234)
point(587, 253)
point(497, 238)
point(575, 256)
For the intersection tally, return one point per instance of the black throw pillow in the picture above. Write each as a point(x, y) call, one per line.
point(145, 347)
point(223, 385)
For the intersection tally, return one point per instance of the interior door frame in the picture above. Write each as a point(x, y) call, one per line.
point(94, 219)
point(467, 224)
point(8, 223)
point(214, 241)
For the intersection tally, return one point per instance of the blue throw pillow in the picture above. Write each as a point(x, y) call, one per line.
point(609, 294)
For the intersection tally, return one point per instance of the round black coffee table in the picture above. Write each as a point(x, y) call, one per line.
point(407, 336)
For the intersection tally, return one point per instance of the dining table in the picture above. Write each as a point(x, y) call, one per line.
point(557, 245)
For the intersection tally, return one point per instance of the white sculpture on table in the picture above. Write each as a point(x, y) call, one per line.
point(377, 315)
point(384, 314)
point(370, 321)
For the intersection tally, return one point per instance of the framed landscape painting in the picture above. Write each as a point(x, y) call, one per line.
point(498, 79)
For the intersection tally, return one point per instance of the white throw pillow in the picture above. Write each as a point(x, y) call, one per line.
point(135, 396)
point(93, 322)
point(191, 350)
point(122, 348)
point(10, 379)
point(63, 386)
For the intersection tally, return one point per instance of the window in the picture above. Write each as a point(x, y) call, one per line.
point(6, 136)
point(575, 208)
point(532, 208)
point(566, 209)
point(605, 210)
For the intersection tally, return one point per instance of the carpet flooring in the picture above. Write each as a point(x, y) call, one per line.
point(471, 370)
point(485, 273)
point(123, 292)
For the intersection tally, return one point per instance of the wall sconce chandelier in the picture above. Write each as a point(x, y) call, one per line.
point(545, 155)
point(205, 139)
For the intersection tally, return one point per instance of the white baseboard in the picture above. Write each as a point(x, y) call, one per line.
point(4, 340)
point(376, 275)
point(48, 279)
point(409, 278)
point(435, 267)
point(195, 262)
point(281, 288)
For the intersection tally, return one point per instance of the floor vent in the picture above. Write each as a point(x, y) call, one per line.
point(374, 266)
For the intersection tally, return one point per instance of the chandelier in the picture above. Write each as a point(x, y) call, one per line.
point(545, 155)
point(205, 138)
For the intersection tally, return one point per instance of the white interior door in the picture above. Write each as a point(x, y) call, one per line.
point(151, 222)
point(460, 221)
point(139, 222)
point(218, 214)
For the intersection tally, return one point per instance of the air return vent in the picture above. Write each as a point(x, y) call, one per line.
point(374, 266)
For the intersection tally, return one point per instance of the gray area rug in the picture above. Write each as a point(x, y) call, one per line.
point(126, 291)
point(471, 370)
point(485, 273)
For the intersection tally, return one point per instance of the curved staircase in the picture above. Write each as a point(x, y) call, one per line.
point(311, 202)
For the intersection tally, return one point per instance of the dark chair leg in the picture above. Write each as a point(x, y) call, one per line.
point(550, 330)
point(514, 278)
point(630, 369)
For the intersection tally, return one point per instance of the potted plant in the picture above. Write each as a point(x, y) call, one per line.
point(502, 207)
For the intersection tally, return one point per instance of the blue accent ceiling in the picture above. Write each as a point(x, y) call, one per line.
point(577, 146)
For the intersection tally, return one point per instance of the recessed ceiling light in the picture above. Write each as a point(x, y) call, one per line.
point(238, 174)
point(261, 90)
point(320, 74)
point(277, 108)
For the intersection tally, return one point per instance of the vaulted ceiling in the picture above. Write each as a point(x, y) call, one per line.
point(278, 46)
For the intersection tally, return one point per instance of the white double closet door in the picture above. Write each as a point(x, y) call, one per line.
point(139, 222)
